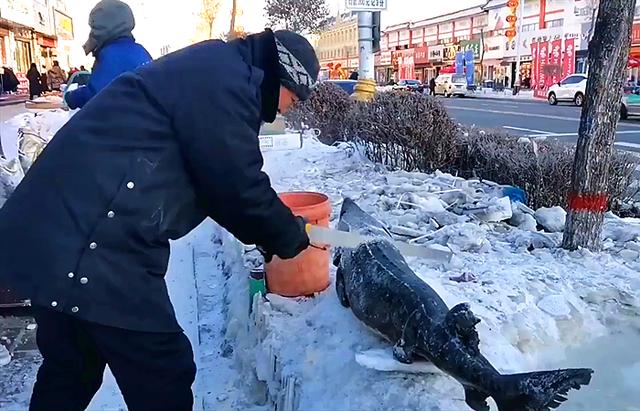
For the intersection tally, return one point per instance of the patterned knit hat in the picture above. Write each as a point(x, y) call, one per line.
point(299, 66)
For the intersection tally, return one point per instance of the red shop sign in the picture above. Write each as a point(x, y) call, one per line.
point(421, 55)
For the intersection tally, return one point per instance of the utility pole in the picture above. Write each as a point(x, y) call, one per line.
point(608, 58)
point(520, 16)
point(366, 86)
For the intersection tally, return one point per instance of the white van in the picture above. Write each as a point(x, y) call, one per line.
point(452, 85)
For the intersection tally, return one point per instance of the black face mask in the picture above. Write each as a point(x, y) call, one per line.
point(264, 55)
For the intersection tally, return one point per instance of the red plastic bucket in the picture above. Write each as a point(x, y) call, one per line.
point(308, 273)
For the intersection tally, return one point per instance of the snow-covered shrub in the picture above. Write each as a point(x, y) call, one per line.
point(328, 110)
point(405, 130)
point(541, 168)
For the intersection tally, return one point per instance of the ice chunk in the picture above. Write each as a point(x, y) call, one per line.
point(382, 360)
point(552, 219)
point(629, 255)
point(555, 305)
point(496, 210)
point(5, 357)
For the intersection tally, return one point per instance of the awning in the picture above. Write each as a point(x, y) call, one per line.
point(634, 62)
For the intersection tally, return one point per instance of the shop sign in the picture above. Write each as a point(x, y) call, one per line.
point(366, 5)
point(385, 58)
point(406, 63)
point(449, 52)
point(635, 34)
point(64, 25)
point(436, 53)
point(46, 42)
point(420, 55)
point(473, 45)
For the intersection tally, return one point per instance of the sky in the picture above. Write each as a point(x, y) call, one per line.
point(160, 22)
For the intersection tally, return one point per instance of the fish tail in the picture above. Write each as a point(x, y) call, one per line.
point(539, 391)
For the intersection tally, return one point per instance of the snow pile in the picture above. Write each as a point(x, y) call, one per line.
point(539, 304)
point(552, 219)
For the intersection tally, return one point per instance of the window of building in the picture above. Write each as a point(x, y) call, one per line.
point(555, 23)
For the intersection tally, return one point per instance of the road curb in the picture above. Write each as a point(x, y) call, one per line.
point(523, 100)
point(12, 102)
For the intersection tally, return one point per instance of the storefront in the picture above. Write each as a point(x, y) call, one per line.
point(435, 54)
point(4, 46)
point(23, 49)
point(492, 69)
point(48, 52)
point(421, 60)
point(634, 53)
point(384, 69)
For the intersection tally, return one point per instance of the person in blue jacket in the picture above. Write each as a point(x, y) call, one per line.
point(113, 47)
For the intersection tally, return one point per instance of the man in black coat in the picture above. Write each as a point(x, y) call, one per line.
point(86, 234)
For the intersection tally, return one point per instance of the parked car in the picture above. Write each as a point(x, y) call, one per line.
point(452, 85)
point(409, 85)
point(346, 85)
point(570, 89)
point(630, 105)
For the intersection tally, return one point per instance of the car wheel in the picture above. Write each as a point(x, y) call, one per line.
point(579, 99)
point(553, 100)
point(624, 114)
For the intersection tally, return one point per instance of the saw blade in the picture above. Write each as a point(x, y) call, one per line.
point(336, 238)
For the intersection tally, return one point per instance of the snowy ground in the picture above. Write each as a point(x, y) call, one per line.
point(541, 307)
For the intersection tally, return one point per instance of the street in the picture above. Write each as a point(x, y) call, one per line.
point(533, 118)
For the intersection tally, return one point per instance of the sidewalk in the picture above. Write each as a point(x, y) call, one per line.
point(9, 99)
point(524, 95)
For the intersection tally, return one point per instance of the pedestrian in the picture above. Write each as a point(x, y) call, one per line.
point(432, 87)
point(10, 81)
point(44, 83)
point(354, 75)
point(142, 164)
point(33, 75)
point(113, 46)
point(56, 76)
point(82, 68)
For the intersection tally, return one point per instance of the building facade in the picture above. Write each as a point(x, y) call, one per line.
point(337, 47)
point(34, 31)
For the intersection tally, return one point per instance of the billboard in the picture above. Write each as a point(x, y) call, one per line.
point(63, 25)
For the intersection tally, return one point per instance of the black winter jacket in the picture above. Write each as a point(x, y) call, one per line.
point(147, 160)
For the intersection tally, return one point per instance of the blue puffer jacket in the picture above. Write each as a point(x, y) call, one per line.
point(115, 58)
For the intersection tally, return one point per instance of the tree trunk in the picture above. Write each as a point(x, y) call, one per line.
point(234, 11)
point(608, 59)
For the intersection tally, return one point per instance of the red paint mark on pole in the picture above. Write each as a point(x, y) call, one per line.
point(589, 203)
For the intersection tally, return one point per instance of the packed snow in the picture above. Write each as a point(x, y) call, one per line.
point(541, 307)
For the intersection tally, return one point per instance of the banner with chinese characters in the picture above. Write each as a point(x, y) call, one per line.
point(460, 63)
point(473, 45)
point(543, 51)
point(555, 68)
point(469, 66)
point(535, 70)
point(569, 59)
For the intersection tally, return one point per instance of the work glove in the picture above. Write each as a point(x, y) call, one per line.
point(297, 244)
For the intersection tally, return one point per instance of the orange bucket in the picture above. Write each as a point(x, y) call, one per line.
point(308, 273)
